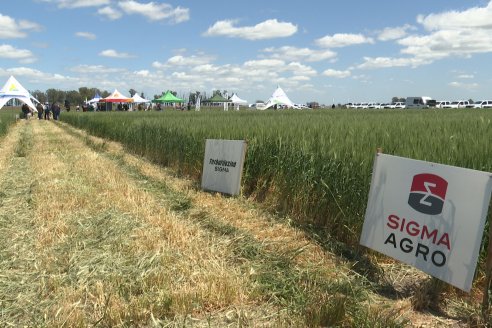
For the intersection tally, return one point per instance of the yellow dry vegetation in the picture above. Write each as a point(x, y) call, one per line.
point(91, 235)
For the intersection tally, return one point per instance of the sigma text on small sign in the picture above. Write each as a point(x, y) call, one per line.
point(428, 215)
point(223, 165)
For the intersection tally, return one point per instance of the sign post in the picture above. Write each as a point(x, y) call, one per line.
point(223, 165)
point(428, 215)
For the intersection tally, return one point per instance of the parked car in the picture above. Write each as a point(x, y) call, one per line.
point(399, 105)
point(443, 104)
point(461, 104)
point(385, 105)
point(482, 104)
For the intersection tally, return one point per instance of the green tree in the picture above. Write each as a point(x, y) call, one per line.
point(74, 97)
point(40, 96)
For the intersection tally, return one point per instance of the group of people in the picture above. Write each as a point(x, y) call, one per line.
point(44, 111)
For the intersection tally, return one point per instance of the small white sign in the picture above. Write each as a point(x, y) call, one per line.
point(428, 215)
point(223, 165)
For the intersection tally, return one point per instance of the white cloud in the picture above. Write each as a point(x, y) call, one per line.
point(445, 43)
point(264, 63)
point(79, 3)
point(475, 17)
point(110, 13)
point(386, 62)
point(180, 60)
point(289, 53)
point(268, 29)
point(10, 28)
point(155, 11)
point(206, 68)
point(86, 35)
point(143, 73)
point(338, 74)
point(22, 55)
point(452, 33)
point(300, 69)
point(467, 86)
point(466, 76)
point(342, 40)
point(99, 69)
point(158, 65)
point(114, 54)
point(394, 33)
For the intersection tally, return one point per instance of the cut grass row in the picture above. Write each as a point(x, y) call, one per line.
point(321, 295)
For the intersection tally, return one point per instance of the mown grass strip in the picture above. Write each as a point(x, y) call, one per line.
point(304, 292)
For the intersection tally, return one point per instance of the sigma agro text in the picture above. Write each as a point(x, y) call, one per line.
point(415, 230)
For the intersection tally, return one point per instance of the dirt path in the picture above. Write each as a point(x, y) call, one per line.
point(90, 235)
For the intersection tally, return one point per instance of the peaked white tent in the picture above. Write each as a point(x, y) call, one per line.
point(13, 89)
point(279, 98)
point(96, 99)
point(139, 100)
point(237, 101)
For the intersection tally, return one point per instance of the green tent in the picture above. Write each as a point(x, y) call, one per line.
point(168, 97)
point(217, 99)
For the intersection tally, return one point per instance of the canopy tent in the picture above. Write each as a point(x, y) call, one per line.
point(279, 98)
point(116, 97)
point(13, 89)
point(139, 100)
point(218, 99)
point(197, 104)
point(96, 99)
point(168, 97)
point(237, 101)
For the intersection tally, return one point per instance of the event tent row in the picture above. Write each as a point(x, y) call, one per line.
point(13, 89)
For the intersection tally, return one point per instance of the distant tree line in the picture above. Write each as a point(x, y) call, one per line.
point(75, 97)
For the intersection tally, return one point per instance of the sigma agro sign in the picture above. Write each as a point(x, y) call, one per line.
point(223, 165)
point(428, 215)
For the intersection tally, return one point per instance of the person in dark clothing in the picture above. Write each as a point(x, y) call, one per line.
point(47, 111)
point(40, 110)
point(56, 111)
point(25, 111)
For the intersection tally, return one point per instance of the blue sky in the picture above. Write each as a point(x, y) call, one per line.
point(325, 51)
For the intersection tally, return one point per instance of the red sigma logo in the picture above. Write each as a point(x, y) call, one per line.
point(427, 193)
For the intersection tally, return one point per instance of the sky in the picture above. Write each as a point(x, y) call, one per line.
point(316, 50)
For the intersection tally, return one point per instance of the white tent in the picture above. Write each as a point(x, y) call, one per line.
point(13, 89)
point(279, 98)
point(96, 99)
point(237, 101)
point(139, 100)
point(197, 104)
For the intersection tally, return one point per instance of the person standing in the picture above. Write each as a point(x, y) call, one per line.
point(25, 111)
point(40, 110)
point(56, 111)
point(47, 111)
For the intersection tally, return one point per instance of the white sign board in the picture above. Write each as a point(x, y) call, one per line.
point(428, 215)
point(223, 165)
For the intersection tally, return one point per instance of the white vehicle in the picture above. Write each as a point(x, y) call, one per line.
point(400, 105)
point(419, 102)
point(443, 104)
point(482, 104)
point(374, 105)
point(461, 104)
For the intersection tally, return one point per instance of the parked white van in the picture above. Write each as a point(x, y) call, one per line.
point(419, 102)
point(482, 104)
point(443, 104)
